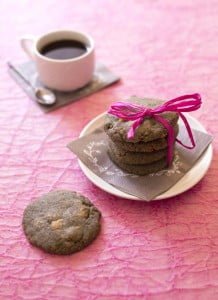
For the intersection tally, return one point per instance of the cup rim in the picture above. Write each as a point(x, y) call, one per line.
point(89, 49)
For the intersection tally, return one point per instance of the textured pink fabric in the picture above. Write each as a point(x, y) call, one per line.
point(161, 250)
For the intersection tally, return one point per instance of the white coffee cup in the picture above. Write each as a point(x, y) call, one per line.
point(61, 74)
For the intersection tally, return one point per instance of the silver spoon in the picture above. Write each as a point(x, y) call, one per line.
point(43, 96)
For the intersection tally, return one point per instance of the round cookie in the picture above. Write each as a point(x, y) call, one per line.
point(149, 130)
point(61, 222)
point(151, 146)
point(141, 169)
point(135, 158)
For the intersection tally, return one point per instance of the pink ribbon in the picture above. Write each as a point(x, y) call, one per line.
point(137, 113)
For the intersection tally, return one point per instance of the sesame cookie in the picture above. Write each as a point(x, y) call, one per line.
point(149, 130)
point(140, 169)
point(155, 145)
point(135, 158)
point(61, 222)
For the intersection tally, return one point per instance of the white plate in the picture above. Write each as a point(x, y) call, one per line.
point(186, 182)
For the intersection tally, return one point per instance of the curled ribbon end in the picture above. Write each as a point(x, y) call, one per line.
point(130, 134)
point(198, 96)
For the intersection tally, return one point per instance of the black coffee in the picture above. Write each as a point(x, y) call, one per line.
point(64, 49)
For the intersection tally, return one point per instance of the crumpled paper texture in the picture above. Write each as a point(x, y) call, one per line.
point(162, 250)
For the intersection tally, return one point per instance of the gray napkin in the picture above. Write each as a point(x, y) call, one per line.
point(92, 151)
point(102, 78)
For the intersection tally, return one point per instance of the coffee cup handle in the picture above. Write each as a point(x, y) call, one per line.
point(27, 43)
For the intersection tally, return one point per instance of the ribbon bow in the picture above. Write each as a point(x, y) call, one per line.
point(137, 114)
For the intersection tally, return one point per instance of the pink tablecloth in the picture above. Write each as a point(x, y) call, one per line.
point(161, 250)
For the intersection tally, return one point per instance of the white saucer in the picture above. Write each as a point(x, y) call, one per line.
point(186, 182)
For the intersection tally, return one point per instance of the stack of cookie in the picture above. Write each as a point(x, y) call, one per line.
point(147, 152)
